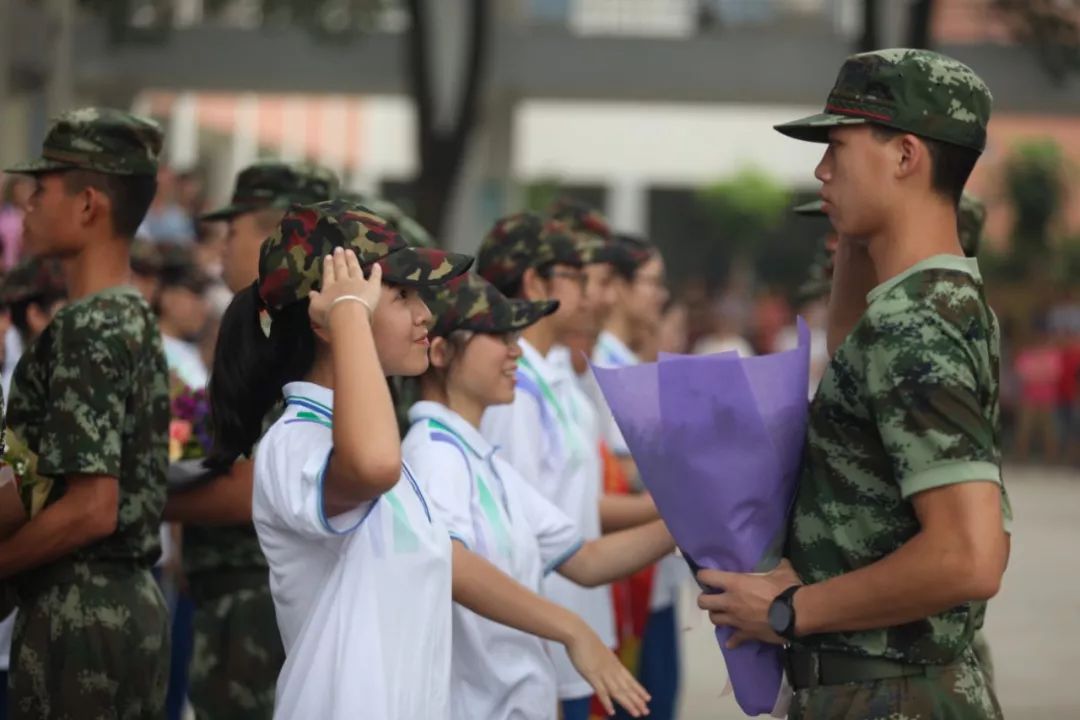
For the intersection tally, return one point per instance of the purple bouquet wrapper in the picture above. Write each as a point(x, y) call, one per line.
point(718, 440)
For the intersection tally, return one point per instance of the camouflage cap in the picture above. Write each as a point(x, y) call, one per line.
point(98, 139)
point(917, 91)
point(470, 302)
point(590, 229)
point(290, 260)
point(810, 209)
point(522, 241)
point(627, 253)
point(414, 233)
point(36, 277)
point(970, 219)
point(276, 184)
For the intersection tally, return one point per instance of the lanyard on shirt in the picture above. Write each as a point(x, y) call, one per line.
point(464, 445)
point(569, 436)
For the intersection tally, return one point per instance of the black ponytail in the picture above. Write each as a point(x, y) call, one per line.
point(250, 370)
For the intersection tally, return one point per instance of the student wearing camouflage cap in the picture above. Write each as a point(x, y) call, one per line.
point(355, 556)
point(899, 531)
point(90, 397)
point(502, 550)
point(237, 650)
point(264, 191)
point(550, 434)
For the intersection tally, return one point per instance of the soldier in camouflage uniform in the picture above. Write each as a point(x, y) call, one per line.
point(264, 191)
point(237, 652)
point(900, 525)
point(90, 397)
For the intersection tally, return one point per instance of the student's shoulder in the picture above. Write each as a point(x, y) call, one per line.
point(428, 448)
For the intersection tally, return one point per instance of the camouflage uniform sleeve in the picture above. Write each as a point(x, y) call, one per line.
point(923, 383)
point(81, 430)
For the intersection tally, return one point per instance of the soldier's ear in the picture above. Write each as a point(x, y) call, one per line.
point(912, 156)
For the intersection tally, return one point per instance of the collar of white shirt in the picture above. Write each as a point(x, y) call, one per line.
point(613, 352)
point(549, 373)
point(457, 425)
point(317, 394)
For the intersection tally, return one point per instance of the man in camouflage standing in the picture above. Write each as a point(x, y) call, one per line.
point(90, 397)
point(900, 524)
point(237, 652)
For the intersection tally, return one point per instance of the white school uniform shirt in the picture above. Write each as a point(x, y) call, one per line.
point(549, 435)
point(362, 598)
point(611, 352)
point(497, 672)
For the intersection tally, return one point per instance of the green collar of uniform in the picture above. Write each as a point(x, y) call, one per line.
point(937, 262)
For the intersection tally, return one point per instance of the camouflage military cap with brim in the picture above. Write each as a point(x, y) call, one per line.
point(101, 140)
point(33, 278)
point(291, 259)
point(470, 302)
point(276, 184)
point(414, 233)
point(916, 91)
point(814, 208)
point(522, 241)
point(590, 229)
point(970, 219)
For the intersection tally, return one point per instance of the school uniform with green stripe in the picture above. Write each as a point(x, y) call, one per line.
point(497, 672)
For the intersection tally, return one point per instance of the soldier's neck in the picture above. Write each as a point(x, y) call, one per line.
point(102, 264)
point(912, 236)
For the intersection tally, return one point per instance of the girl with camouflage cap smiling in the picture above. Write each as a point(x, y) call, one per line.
point(359, 565)
point(507, 535)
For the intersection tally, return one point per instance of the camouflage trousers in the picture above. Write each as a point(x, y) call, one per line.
point(237, 652)
point(960, 691)
point(91, 642)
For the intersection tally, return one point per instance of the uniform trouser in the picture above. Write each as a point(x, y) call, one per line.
point(959, 691)
point(237, 652)
point(91, 642)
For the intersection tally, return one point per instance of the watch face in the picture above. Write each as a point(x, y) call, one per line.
point(779, 617)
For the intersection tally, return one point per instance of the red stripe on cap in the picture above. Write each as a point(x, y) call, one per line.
point(860, 113)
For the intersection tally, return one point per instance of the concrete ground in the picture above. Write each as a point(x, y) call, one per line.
point(1033, 625)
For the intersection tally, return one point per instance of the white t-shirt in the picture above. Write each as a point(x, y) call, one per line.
point(671, 571)
point(363, 598)
point(549, 435)
point(497, 672)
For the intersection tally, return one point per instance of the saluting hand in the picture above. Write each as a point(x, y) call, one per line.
point(343, 282)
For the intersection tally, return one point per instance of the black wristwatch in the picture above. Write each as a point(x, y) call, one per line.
point(782, 613)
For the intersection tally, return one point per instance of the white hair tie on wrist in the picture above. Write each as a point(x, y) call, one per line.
point(351, 298)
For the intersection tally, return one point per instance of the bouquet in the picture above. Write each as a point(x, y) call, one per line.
point(189, 436)
point(718, 441)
